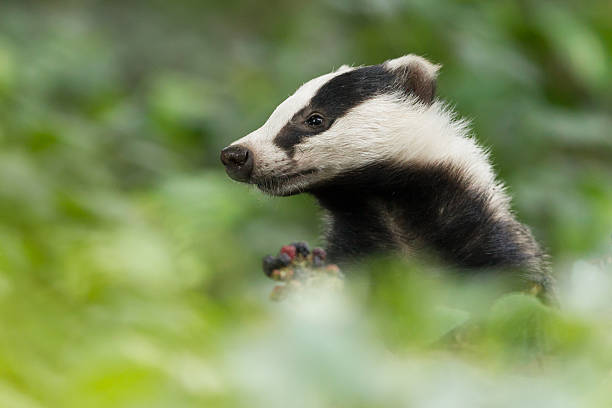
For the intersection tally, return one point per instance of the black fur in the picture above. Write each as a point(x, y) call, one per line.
point(431, 206)
point(345, 91)
point(385, 206)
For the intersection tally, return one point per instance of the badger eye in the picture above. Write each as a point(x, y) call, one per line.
point(314, 120)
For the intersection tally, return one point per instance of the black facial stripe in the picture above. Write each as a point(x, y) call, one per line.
point(348, 90)
point(296, 130)
point(334, 100)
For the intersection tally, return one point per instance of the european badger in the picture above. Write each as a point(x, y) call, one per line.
point(394, 168)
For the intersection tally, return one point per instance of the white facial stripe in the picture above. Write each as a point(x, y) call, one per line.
point(389, 128)
point(269, 159)
point(386, 128)
point(285, 111)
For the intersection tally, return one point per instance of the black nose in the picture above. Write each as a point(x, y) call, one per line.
point(238, 162)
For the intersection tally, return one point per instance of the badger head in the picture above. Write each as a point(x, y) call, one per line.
point(344, 120)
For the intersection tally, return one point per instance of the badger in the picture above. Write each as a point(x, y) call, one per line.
point(393, 167)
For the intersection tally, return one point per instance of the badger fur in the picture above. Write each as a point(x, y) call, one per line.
point(394, 168)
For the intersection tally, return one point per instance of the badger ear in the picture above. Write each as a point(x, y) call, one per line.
point(416, 76)
point(343, 68)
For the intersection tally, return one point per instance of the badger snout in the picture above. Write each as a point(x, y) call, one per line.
point(238, 162)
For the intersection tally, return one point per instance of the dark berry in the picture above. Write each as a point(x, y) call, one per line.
point(319, 253)
point(302, 249)
point(284, 259)
point(290, 250)
point(269, 264)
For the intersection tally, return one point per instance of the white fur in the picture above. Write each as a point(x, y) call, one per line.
point(411, 59)
point(269, 159)
point(388, 127)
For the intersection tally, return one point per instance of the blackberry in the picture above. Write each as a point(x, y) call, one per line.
point(284, 259)
point(302, 248)
point(270, 263)
point(267, 264)
point(296, 266)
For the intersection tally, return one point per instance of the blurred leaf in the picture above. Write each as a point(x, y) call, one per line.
point(130, 264)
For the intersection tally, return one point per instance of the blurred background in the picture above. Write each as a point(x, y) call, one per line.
point(130, 264)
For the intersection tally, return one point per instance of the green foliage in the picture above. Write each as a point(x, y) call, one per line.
point(129, 263)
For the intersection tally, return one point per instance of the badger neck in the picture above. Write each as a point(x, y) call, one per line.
point(390, 206)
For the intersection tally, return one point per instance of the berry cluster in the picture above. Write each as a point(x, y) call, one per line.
point(297, 266)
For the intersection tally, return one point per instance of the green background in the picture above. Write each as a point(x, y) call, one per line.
point(129, 262)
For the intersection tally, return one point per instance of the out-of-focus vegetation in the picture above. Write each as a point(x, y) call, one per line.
point(129, 263)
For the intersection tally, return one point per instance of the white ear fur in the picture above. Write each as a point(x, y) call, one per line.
point(416, 76)
point(344, 68)
point(409, 60)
